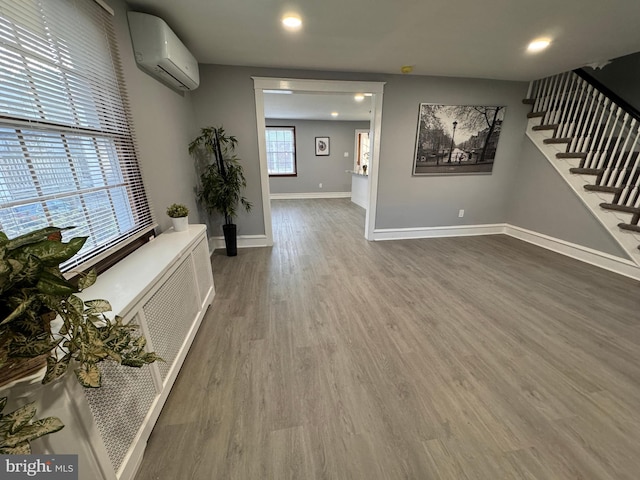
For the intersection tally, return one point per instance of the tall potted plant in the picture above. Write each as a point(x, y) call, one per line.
point(221, 180)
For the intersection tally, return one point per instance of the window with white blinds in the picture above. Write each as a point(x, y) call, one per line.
point(67, 153)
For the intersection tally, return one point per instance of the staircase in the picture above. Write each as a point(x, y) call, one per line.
point(592, 138)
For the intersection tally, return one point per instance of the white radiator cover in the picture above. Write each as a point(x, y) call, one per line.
point(165, 287)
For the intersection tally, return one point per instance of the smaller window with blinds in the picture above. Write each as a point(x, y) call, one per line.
point(281, 151)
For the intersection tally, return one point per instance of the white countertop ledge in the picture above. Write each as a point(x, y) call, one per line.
point(124, 284)
point(357, 173)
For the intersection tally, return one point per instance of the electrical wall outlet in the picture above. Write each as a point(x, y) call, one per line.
point(346, 154)
point(461, 214)
point(319, 185)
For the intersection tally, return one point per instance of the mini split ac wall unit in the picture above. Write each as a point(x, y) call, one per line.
point(159, 52)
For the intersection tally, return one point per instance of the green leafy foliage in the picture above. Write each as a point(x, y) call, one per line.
point(89, 337)
point(87, 279)
point(177, 210)
point(18, 429)
point(56, 368)
point(97, 306)
point(52, 253)
point(222, 180)
point(34, 237)
point(20, 306)
point(33, 291)
point(89, 375)
point(75, 303)
point(52, 285)
point(29, 347)
point(19, 418)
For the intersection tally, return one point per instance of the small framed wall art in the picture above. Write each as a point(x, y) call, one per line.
point(322, 146)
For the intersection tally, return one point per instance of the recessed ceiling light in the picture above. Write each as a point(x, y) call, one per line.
point(334, 114)
point(538, 45)
point(368, 94)
point(358, 97)
point(292, 22)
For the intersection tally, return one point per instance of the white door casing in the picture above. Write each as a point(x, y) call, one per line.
point(322, 86)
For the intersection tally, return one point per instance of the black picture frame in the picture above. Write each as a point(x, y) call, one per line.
point(457, 139)
point(322, 146)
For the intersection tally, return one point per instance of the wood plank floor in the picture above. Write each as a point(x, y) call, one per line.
point(479, 358)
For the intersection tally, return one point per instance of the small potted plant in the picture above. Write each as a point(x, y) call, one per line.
point(179, 216)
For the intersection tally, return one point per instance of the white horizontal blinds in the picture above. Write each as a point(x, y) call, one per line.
point(281, 150)
point(67, 152)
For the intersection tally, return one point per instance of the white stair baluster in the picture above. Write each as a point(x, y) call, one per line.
point(605, 139)
point(560, 99)
point(611, 175)
point(574, 109)
point(631, 164)
point(555, 89)
point(590, 145)
point(581, 120)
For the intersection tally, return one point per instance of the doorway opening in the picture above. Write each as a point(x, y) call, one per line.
point(374, 89)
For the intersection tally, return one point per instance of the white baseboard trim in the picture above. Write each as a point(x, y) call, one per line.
point(436, 232)
point(244, 241)
point(622, 266)
point(591, 200)
point(296, 196)
point(618, 265)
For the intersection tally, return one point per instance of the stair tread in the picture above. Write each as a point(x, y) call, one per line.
point(571, 155)
point(600, 188)
point(620, 208)
point(630, 227)
point(617, 191)
point(587, 171)
point(529, 101)
point(546, 127)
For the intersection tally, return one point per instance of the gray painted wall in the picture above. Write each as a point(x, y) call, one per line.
point(312, 170)
point(622, 76)
point(166, 121)
point(163, 122)
point(406, 201)
point(543, 202)
point(226, 97)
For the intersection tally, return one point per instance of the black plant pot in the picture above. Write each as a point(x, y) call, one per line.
point(230, 239)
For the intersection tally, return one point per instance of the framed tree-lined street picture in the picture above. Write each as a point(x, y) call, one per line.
point(322, 146)
point(457, 139)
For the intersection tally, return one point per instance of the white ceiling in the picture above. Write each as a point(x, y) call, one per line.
point(469, 38)
point(316, 106)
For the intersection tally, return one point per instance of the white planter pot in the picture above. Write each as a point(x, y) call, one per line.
point(180, 224)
